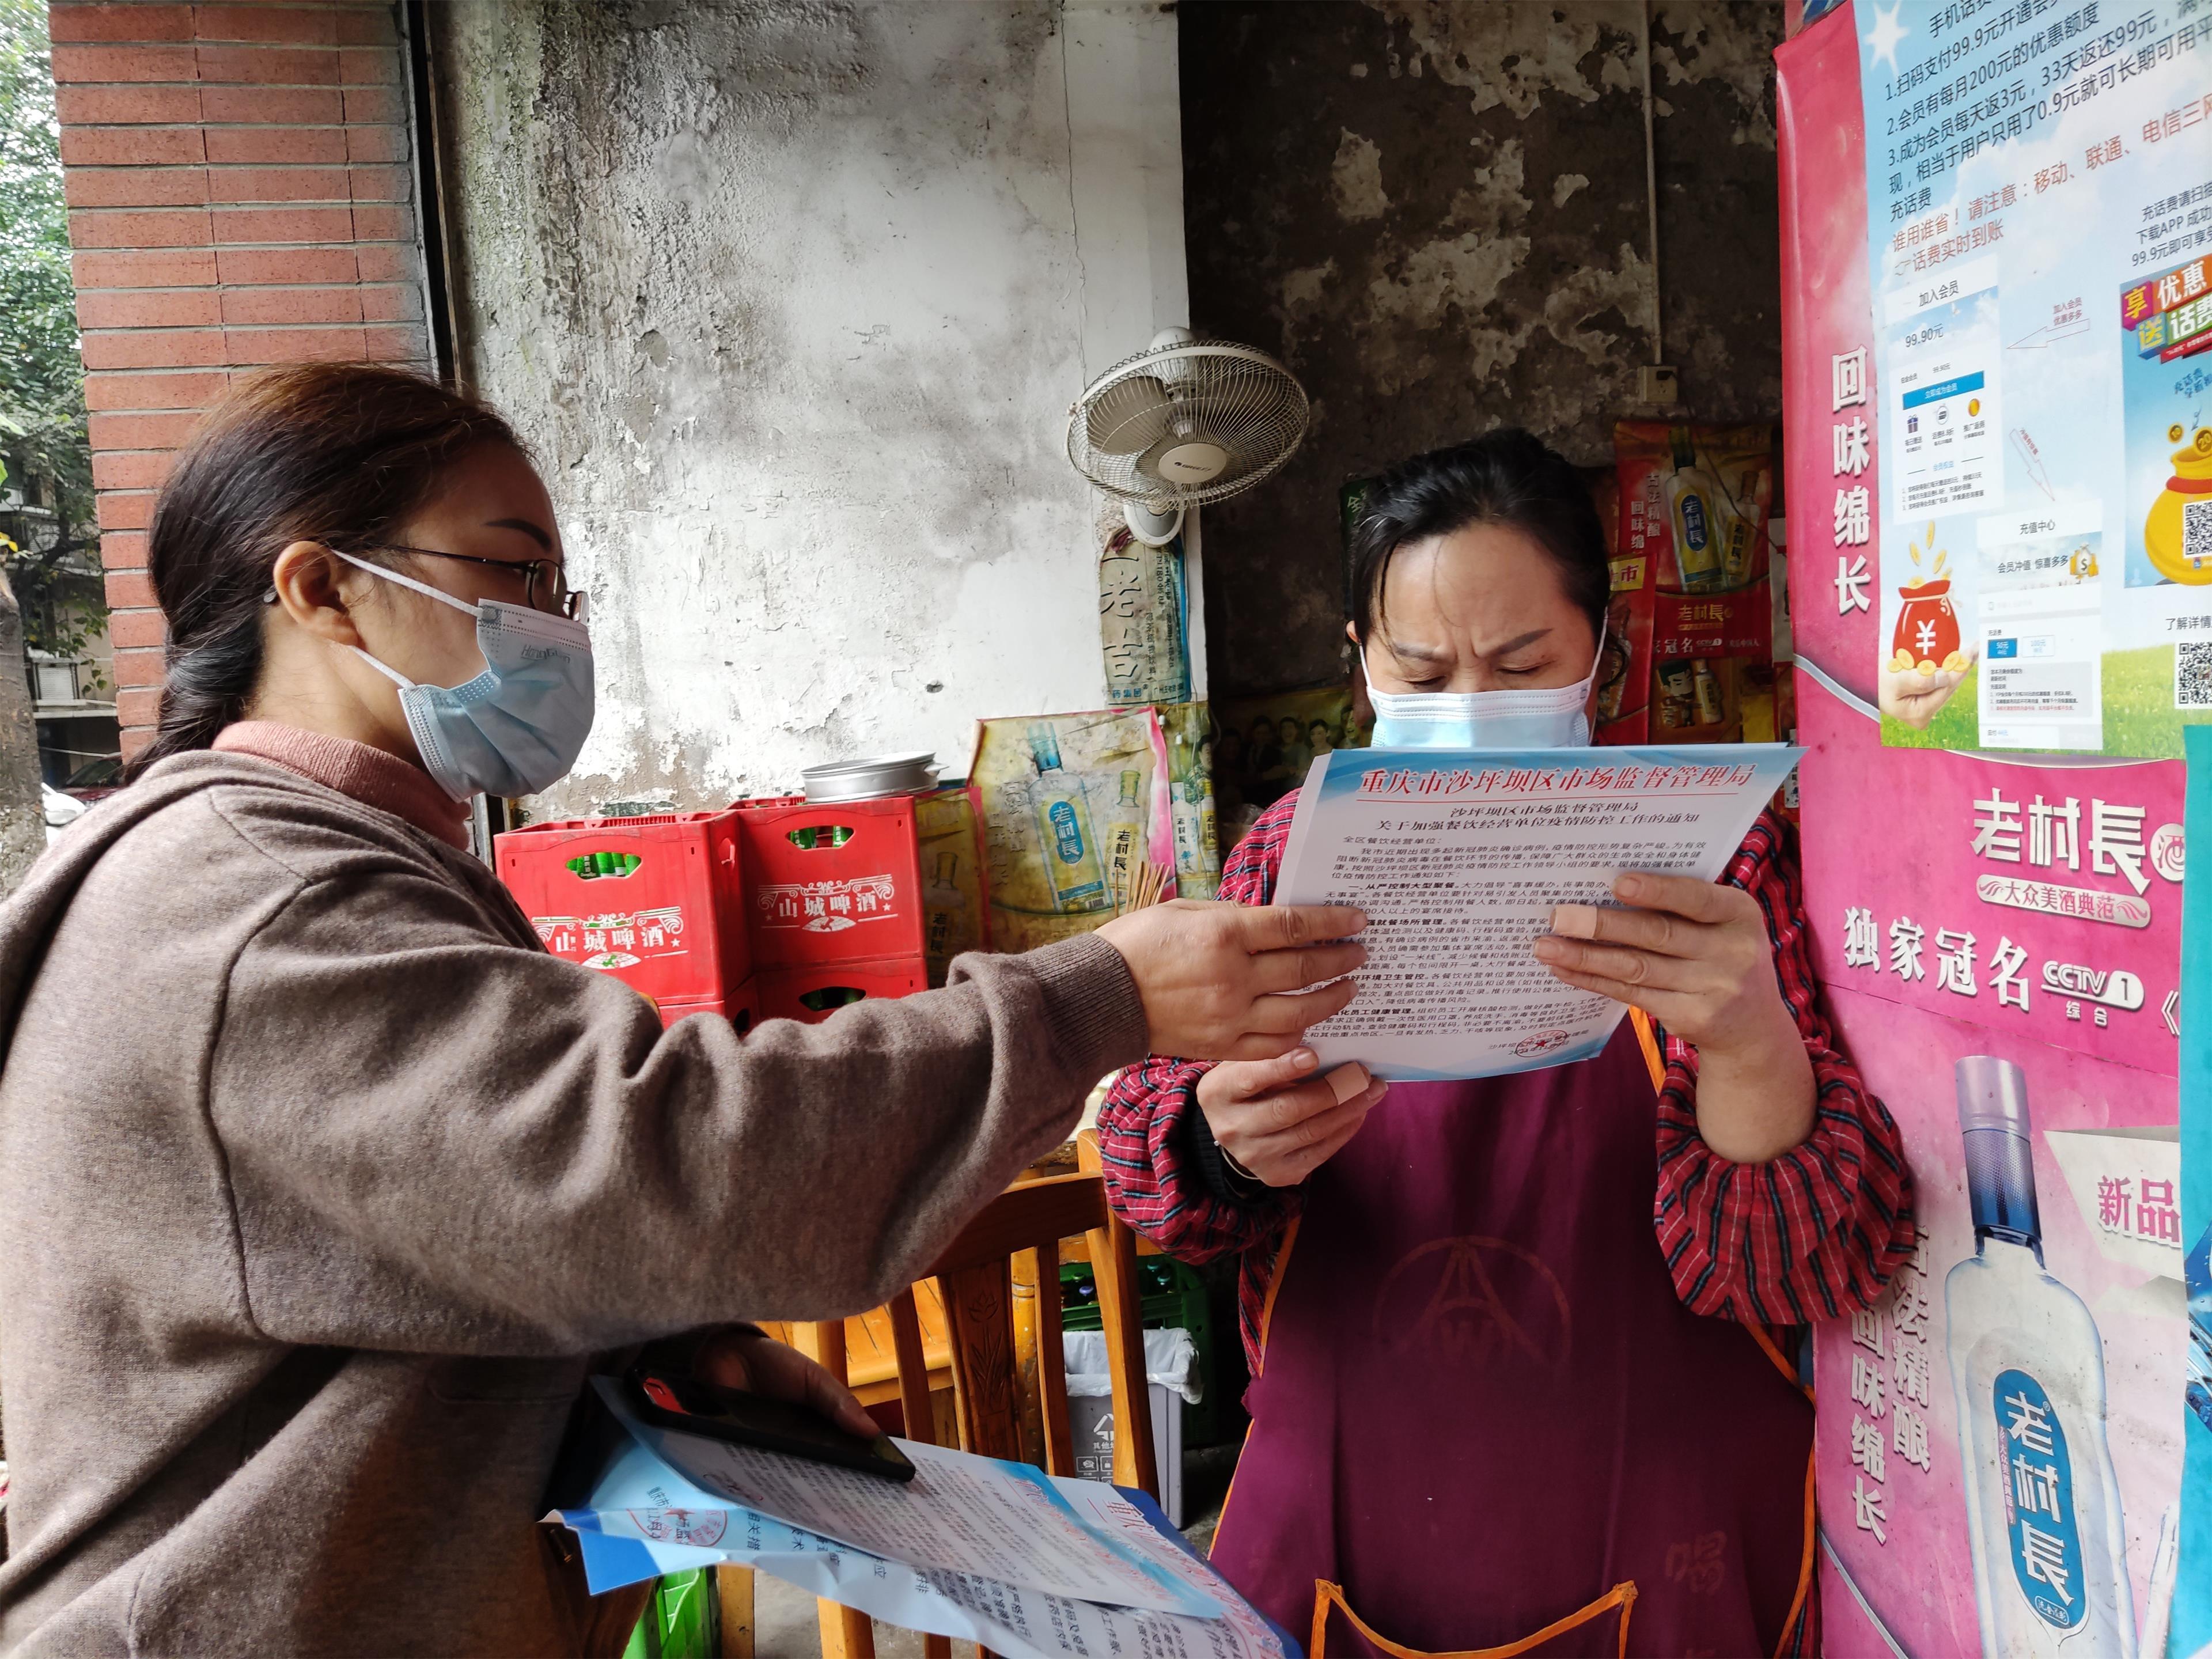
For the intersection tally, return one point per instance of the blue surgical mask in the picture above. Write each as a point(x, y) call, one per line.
point(1554, 718)
point(517, 727)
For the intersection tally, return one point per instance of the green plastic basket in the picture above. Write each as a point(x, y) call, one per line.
point(682, 1621)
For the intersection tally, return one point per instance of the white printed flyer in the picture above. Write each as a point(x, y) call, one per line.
point(2039, 191)
point(1458, 856)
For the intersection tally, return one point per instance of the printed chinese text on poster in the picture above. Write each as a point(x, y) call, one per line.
point(2039, 191)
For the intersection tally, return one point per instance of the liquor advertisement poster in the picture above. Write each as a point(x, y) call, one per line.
point(2039, 376)
point(2038, 1336)
point(1998, 1442)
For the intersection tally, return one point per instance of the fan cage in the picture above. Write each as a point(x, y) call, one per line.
point(1229, 394)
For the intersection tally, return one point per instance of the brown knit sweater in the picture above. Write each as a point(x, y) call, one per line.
point(320, 1182)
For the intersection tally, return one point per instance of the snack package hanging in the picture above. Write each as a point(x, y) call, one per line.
point(1693, 548)
point(1072, 805)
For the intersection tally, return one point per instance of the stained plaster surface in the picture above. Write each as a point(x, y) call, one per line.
point(787, 299)
point(1436, 213)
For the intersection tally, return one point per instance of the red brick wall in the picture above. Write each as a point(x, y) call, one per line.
point(241, 192)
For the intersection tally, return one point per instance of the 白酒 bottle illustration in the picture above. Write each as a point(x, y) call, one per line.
point(2028, 1373)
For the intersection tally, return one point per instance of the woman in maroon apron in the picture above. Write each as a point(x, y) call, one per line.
point(1512, 1393)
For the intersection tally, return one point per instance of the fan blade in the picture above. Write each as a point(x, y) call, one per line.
point(1128, 416)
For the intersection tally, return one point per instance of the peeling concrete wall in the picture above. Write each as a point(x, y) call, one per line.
point(792, 299)
point(1435, 211)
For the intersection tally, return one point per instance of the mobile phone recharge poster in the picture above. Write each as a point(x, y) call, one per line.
point(1911, 863)
point(2039, 377)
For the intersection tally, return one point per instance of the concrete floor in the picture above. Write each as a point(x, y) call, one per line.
point(785, 1626)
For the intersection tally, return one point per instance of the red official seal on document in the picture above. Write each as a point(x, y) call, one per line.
point(700, 1528)
point(1542, 1043)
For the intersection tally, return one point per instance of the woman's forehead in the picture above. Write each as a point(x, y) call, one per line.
point(1491, 582)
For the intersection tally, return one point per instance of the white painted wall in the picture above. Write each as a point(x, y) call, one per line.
point(793, 301)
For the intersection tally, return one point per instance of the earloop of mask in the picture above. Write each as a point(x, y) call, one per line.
point(423, 588)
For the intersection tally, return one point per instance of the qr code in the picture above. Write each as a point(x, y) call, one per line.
point(2196, 534)
point(2192, 674)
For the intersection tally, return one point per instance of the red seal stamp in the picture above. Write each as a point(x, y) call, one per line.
point(700, 1528)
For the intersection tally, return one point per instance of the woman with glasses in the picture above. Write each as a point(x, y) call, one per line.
point(307, 1248)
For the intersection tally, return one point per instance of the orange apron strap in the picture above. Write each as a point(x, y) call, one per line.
point(1327, 1596)
point(1772, 1350)
point(1275, 1286)
point(1804, 1566)
point(1647, 1038)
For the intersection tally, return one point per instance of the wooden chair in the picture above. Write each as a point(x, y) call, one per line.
point(1000, 1281)
point(998, 1284)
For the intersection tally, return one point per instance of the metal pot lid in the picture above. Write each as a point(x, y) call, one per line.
point(871, 776)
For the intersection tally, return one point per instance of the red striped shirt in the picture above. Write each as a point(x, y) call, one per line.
point(1812, 1235)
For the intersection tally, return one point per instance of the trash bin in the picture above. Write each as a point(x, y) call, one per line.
point(1172, 1296)
point(1171, 1383)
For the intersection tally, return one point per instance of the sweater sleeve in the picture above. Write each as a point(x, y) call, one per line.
point(1163, 1174)
point(438, 1141)
point(1817, 1231)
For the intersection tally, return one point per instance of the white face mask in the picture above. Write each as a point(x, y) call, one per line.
point(1557, 717)
point(517, 727)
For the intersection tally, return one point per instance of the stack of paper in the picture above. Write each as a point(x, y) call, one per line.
point(972, 1548)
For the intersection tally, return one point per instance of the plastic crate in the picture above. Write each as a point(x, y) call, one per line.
point(814, 993)
point(741, 1007)
point(657, 902)
point(831, 883)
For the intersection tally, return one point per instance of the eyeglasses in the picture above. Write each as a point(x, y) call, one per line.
point(545, 584)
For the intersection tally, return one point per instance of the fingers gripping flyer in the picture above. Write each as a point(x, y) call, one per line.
point(1458, 858)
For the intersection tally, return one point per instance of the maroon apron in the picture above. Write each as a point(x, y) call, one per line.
point(1482, 1410)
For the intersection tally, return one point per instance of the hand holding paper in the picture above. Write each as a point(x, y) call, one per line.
point(1695, 956)
point(1277, 1121)
point(1220, 982)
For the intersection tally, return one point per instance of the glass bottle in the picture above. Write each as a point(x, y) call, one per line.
point(2027, 1374)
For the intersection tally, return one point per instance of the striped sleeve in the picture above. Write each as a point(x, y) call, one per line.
point(1817, 1231)
point(1145, 1148)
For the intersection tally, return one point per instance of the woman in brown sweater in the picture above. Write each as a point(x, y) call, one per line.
point(322, 1184)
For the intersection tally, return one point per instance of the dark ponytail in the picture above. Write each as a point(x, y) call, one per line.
point(1508, 477)
point(301, 453)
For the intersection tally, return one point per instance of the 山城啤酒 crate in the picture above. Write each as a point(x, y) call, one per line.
point(813, 993)
point(831, 883)
point(657, 902)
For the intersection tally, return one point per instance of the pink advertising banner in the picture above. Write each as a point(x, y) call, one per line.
point(2043, 902)
point(2081, 1322)
point(1999, 939)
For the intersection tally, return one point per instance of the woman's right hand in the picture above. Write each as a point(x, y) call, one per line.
point(1226, 982)
point(1277, 1121)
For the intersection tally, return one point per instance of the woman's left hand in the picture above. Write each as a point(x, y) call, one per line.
point(1691, 954)
point(754, 1362)
point(1695, 956)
